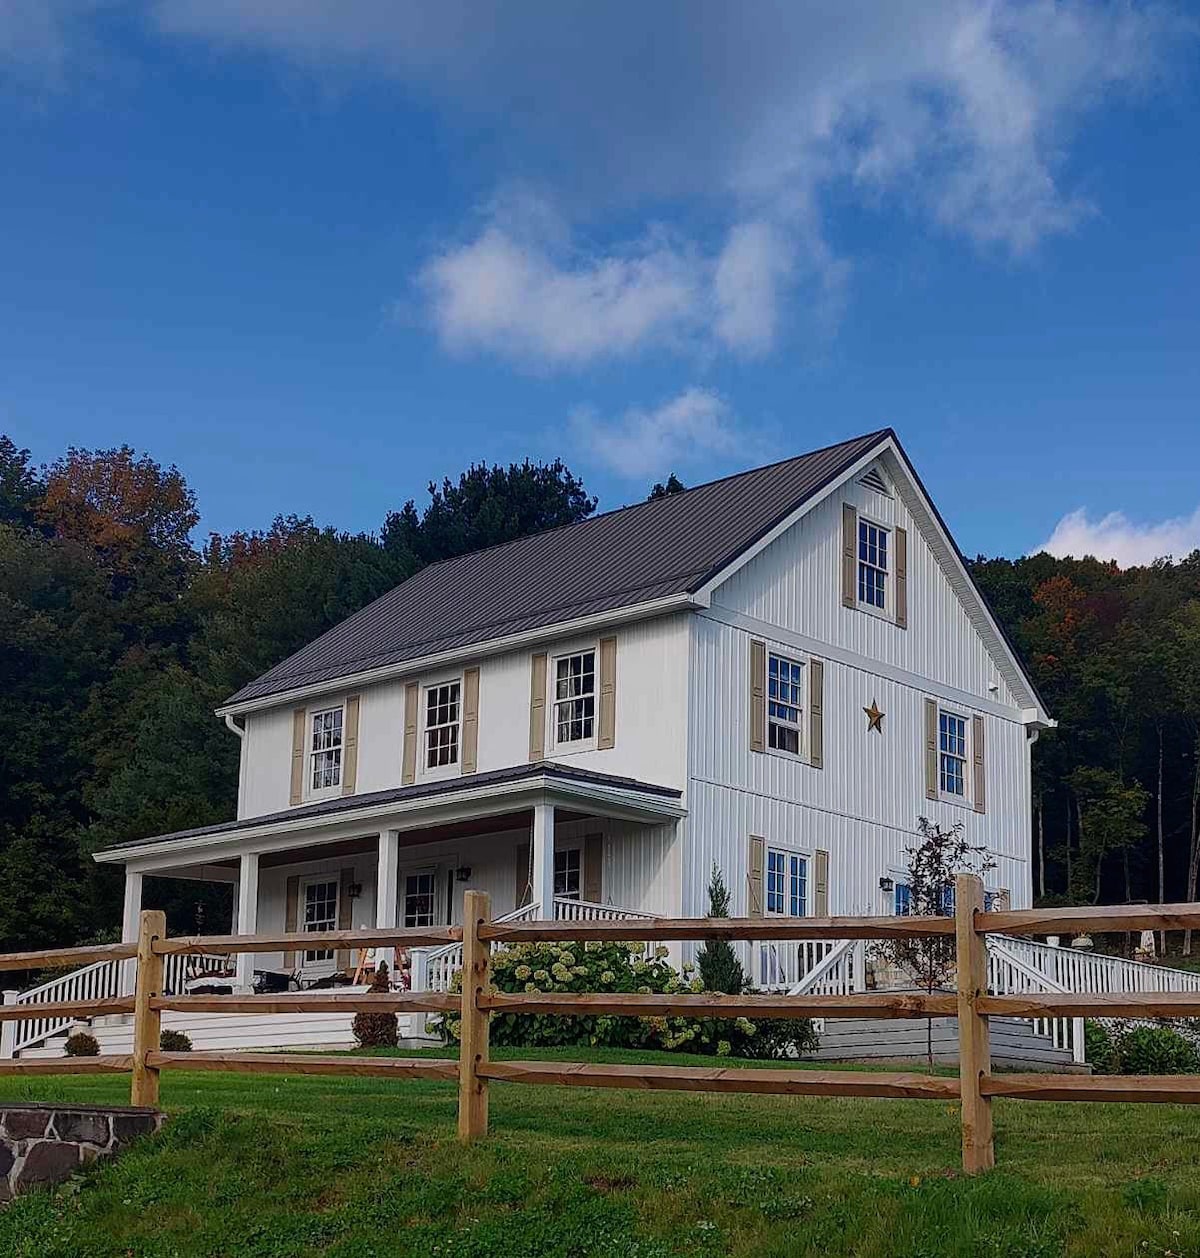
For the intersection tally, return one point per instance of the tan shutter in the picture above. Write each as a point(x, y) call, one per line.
point(820, 898)
point(299, 730)
point(849, 555)
point(470, 727)
point(350, 746)
point(523, 894)
point(758, 695)
point(902, 578)
point(408, 773)
point(931, 749)
point(345, 914)
point(606, 736)
point(756, 861)
point(816, 714)
point(537, 706)
point(290, 914)
point(593, 868)
point(977, 752)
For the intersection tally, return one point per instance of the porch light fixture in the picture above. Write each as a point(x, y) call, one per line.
point(462, 873)
point(887, 885)
point(354, 890)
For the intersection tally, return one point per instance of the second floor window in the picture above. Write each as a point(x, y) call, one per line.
point(872, 564)
point(952, 754)
point(326, 749)
point(784, 682)
point(575, 697)
point(568, 873)
point(441, 724)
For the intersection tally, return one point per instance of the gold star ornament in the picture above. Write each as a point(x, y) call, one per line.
point(874, 718)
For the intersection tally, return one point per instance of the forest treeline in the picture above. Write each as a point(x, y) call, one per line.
point(119, 636)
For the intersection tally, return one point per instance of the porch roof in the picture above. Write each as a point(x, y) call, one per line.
point(543, 774)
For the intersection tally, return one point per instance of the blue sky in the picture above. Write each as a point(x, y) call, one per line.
point(316, 253)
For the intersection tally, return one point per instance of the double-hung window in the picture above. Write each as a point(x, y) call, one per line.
point(952, 754)
point(320, 913)
point(784, 696)
point(419, 892)
point(902, 905)
point(575, 697)
point(442, 715)
point(568, 873)
point(873, 547)
point(325, 750)
point(787, 883)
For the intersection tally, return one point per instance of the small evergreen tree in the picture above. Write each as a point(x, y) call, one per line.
point(716, 961)
point(377, 1030)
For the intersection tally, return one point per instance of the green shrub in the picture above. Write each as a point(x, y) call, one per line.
point(174, 1042)
point(377, 1030)
point(1119, 1049)
point(616, 967)
point(81, 1044)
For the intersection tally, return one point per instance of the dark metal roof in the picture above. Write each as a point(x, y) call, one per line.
point(637, 554)
point(403, 794)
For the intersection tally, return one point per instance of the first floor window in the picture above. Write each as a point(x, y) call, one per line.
point(419, 891)
point(441, 724)
point(787, 883)
point(326, 749)
point(320, 913)
point(575, 697)
point(784, 692)
point(952, 753)
point(872, 564)
point(567, 873)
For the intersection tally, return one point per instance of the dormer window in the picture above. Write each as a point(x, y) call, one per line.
point(873, 566)
point(325, 751)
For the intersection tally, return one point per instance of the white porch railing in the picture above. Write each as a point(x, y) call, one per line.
point(434, 968)
point(100, 981)
point(1015, 969)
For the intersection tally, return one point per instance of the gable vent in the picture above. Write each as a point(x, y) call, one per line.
point(873, 480)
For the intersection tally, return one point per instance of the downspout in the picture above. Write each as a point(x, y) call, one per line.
point(232, 725)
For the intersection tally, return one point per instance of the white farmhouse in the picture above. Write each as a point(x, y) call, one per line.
point(777, 673)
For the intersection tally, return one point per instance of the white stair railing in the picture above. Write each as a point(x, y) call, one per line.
point(1014, 971)
point(100, 981)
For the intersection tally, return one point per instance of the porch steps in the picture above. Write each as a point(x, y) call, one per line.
point(1015, 1042)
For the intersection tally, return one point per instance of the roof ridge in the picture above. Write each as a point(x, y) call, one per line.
point(647, 502)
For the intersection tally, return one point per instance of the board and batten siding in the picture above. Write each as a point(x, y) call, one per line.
point(796, 583)
point(650, 728)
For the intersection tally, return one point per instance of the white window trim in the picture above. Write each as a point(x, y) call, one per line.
point(415, 871)
point(887, 611)
point(807, 858)
point(329, 964)
point(583, 744)
point(325, 792)
point(964, 800)
point(801, 755)
point(454, 769)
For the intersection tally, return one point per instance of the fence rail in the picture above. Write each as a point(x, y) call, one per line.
point(973, 1003)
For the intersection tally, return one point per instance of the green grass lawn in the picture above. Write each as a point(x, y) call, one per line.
point(284, 1167)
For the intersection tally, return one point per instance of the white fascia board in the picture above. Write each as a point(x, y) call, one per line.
point(475, 650)
point(947, 553)
point(427, 810)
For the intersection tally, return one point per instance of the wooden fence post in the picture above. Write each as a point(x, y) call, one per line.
point(974, 1040)
point(147, 1022)
point(476, 978)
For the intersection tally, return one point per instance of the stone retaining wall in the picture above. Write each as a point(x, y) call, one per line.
point(43, 1144)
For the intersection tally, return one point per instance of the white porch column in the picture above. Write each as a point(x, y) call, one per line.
point(387, 891)
point(247, 918)
point(129, 925)
point(542, 844)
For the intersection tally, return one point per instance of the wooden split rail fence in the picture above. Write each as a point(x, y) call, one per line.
point(973, 1088)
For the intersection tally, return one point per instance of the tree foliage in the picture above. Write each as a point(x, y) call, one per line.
point(717, 963)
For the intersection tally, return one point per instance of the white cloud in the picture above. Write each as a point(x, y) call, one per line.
point(1116, 536)
point(961, 111)
point(641, 444)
